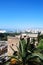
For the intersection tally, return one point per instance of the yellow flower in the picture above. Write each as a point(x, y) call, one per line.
point(13, 61)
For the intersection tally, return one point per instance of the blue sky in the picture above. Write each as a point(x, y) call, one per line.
point(21, 14)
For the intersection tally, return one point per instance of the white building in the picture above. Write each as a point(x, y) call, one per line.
point(2, 31)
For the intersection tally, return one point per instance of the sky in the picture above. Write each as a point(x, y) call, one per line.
point(21, 14)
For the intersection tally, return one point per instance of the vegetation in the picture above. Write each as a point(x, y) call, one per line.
point(41, 36)
point(3, 36)
point(38, 37)
point(25, 56)
point(40, 46)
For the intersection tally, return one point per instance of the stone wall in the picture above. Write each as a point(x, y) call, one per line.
point(13, 42)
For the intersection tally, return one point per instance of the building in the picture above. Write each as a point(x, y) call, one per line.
point(31, 36)
point(3, 48)
point(2, 31)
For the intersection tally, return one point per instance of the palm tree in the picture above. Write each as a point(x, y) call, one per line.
point(38, 36)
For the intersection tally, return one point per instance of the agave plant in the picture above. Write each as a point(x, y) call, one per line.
point(25, 56)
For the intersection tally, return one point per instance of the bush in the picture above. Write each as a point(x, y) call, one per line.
point(40, 45)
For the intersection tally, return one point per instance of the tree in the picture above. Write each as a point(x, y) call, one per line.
point(40, 46)
point(38, 36)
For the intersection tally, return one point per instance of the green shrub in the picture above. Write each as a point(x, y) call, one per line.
point(40, 45)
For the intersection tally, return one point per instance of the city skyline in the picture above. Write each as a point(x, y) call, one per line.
point(21, 14)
